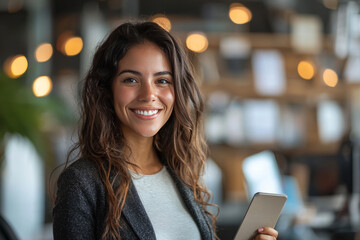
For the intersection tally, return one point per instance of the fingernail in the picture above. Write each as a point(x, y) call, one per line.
point(260, 229)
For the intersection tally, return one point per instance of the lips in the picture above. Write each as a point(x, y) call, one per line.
point(146, 114)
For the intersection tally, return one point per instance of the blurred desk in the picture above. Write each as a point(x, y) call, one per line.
point(328, 222)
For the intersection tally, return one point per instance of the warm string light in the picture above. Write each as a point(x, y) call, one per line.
point(197, 42)
point(239, 14)
point(162, 21)
point(68, 44)
point(15, 66)
point(43, 52)
point(306, 70)
point(330, 77)
point(42, 86)
point(73, 46)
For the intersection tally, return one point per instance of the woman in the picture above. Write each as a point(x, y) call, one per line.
point(141, 147)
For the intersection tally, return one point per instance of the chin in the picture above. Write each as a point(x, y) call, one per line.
point(148, 134)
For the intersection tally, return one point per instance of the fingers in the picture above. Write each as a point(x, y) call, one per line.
point(266, 233)
point(269, 231)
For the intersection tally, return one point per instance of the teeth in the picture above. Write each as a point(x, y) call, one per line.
point(147, 113)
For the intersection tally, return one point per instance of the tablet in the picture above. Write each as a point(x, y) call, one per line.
point(264, 211)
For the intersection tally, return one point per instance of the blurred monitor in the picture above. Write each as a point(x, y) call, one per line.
point(263, 175)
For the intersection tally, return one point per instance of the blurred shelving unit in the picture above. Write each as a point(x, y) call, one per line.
point(304, 94)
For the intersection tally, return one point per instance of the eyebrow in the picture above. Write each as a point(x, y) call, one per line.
point(139, 74)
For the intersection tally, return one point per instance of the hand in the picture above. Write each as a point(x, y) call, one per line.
point(266, 233)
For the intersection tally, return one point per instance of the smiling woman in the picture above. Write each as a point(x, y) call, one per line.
point(143, 91)
point(141, 147)
point(141, 119)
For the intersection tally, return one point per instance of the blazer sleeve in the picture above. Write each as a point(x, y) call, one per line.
point(75, 215)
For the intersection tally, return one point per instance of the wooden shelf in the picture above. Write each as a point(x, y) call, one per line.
point(296, 92)
point(307, 93)
point(258, 40)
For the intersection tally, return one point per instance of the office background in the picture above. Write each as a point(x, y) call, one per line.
point(280, 76)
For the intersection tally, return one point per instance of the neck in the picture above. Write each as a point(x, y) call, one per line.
point(143, 155)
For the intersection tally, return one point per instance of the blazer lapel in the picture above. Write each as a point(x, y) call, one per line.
point(202, 221)
point(135, 214)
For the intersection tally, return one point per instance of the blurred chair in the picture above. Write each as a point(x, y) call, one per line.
point(6, 232)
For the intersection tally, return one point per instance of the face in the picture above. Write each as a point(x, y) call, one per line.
point(143, 90)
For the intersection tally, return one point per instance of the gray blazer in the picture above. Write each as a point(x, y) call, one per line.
point(81, 207)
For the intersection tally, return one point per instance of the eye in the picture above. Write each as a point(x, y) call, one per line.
point(130, 80)
point(163, 81)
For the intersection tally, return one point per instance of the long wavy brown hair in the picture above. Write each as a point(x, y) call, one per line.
point(180, 141)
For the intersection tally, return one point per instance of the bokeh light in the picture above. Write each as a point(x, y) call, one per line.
point(306, 70)
point(15, 66)
point(330, 77)
point(162, 21)
point(73, 46)
point(69, 44)
point(42, 86)
point(43, 52)
point(239, 14)
point(197, 42)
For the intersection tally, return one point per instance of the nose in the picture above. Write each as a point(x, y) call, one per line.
point(147, 92)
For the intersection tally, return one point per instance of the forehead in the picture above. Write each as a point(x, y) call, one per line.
point(146, 56)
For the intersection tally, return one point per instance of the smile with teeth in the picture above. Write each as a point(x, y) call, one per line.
point(146, 113)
